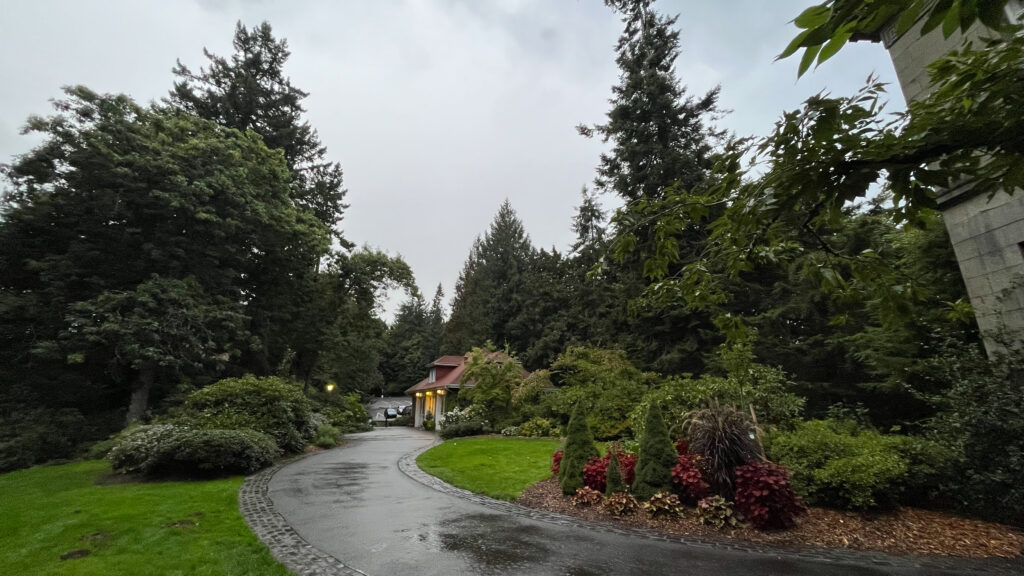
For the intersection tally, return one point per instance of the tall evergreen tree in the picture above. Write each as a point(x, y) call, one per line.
point(488, 295)
point(250, 91)
point(661, 140)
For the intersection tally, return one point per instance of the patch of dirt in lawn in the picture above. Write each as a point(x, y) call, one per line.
point(75, 554)
point(903, 531)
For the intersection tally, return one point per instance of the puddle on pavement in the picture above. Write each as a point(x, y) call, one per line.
point(492, 542)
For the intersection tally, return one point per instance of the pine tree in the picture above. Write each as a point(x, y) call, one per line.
point(249, 91)
point(661, 138)
point(659, 135)
point(656, 458)
point(613, 477)
point(489, 292)
point(579, 448)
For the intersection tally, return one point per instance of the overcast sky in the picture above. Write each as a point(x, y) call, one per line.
point(437, 110)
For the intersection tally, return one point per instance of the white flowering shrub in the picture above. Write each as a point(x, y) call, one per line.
point(472, 413)
point(164, 449)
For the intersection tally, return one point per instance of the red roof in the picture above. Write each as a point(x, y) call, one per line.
point(448, 361)
point(453, 378)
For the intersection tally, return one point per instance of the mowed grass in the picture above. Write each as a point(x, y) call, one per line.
point(495, 466)
point(166, 528)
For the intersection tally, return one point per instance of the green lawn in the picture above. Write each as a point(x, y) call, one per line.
point(48, 511)
point(498, 467)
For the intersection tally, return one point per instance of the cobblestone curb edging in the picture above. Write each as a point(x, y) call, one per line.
point(407, 464)
point(284, 542)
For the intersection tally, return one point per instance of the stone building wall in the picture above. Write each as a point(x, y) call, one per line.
point(987, 233)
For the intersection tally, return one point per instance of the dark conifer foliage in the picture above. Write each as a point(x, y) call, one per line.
point(656, 458)
point(250, 91)
point(579, 448)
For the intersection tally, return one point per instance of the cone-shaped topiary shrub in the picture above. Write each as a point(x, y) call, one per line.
point(613, 478)
point(579, 448)
point(656, 459)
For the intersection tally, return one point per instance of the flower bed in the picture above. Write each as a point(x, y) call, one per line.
point(904, 531)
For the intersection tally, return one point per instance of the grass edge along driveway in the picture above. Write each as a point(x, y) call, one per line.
point(494, 466)
point(166, 528)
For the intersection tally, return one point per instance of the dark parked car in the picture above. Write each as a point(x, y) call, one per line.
point(405, 410)
point(390, 413)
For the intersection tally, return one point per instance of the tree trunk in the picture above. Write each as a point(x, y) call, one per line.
point(140, 394)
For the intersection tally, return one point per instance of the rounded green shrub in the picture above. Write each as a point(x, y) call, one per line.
point(538, 427)
point(837, 463)
point(170, 449)
point(327, 436)
point(460, 429)
point(274, 406)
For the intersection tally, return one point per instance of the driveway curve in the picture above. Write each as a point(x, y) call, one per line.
point(352, 510)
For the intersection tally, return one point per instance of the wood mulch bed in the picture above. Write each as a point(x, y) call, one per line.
point(904, 531)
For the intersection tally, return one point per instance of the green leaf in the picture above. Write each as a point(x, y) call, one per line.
point(990, 12)
point(937, 15)
point(952, 20)
point(813, 17)
point(833, 46)
point(809, 55)
point(793, 46)
point(909, 16)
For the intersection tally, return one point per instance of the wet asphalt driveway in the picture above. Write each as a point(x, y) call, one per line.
point(355, 504)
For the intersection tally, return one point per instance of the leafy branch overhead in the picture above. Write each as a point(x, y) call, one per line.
point(827, 27)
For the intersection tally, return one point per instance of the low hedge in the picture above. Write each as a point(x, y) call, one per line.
point(472, 428)
point(170, 449)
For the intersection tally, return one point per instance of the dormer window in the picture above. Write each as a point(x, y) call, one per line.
point(433, 375)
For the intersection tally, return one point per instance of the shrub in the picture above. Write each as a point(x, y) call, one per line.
point(428, 425)
point(173, 449)
point(980, 421)
point(30, 435)
point(510, 431)
point(596, 470)
point(579, 448)
point(764, 497)
point(724, 438)
point(604, 382)
point(687, 478)
point(656, 458)
point(613, 476)
point(746, 383)
point(556, 461)
point(537, 427)
point(837, 463)
point(474, 428)
point(664, 504)
point(327, 436)
point(274, 406)
point(621, 504)
point(101, 449)
point(717, 511)
point(343, 411)
point(223, 452)
point(586, 496)
point(473, 413)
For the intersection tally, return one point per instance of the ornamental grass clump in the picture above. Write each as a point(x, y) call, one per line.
point(579, 448)
point(657, 457)
point(724, 438)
